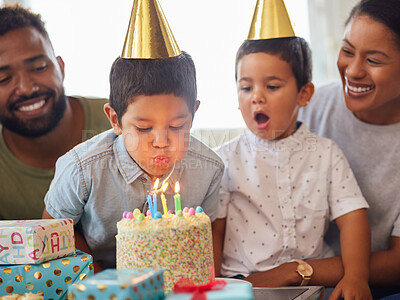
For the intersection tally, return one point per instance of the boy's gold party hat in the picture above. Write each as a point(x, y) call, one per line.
point(270, 21)
point(149, 35)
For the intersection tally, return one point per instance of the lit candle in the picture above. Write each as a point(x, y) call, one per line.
point(150, 206)
point(155, 197)
point(163, 200)
point(177, 197)
point(154, 203)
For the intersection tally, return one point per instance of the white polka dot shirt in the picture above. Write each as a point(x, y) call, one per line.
point(278, 197)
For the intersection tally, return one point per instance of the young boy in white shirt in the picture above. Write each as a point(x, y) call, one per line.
point(282, 184)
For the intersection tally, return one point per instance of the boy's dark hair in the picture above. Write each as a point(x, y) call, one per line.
point(133, 77)
point(386, 12)
point(294, 50)
point(14, 17)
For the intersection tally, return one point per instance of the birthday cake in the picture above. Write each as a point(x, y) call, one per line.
point(180, 244)
point(27, 296)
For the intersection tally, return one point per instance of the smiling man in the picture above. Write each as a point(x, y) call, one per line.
point(38, 123)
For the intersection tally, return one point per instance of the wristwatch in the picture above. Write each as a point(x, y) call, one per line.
point(305, 271)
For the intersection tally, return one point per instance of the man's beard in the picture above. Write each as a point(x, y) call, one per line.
point(36, 127)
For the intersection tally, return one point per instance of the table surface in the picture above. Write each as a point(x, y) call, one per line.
point(289, 293)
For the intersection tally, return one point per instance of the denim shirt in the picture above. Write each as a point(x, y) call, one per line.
point(97, 181)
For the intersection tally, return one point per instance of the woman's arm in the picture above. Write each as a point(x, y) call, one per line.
point(355, 240)
point(385, 265)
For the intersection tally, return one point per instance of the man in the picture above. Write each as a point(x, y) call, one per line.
point(38, 123)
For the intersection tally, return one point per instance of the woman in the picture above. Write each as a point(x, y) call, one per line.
point(362, 115)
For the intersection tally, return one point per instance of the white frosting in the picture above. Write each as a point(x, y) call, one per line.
point(171, 221)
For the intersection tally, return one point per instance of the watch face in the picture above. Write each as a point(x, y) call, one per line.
point(305, 269)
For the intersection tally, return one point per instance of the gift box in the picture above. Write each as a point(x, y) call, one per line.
point(35, 241)
point(231, 291)
point(50, 279)
point(144, 283)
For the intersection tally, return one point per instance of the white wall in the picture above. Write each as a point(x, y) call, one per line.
point(326, 19)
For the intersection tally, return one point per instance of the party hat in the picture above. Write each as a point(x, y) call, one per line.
point(270, 21)
point(149, 35)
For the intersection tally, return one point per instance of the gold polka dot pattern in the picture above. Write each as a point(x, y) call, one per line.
point(46, 265)
point(52, 278)
point(7, 270)
point(57, 272)
point(82, 276)
point(68, 280)
point(81, 287)
point(76, 269)
point(27, 268)
point(127, 284)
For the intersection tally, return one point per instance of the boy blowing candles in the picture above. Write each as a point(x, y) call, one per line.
point(152, 104)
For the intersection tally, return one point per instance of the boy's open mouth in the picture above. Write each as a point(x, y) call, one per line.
point(262, 119)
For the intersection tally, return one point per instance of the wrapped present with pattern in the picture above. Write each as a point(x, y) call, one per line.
point(35, 241)
point(50, 279)
point(232, 291)
point(135, 284)
point(214, 289)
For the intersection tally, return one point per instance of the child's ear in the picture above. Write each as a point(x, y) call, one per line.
point(306, 93)
point(113, 118)
point(196, 105)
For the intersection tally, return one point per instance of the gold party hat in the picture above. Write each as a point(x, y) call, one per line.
point(270, 21)
point(149, 35)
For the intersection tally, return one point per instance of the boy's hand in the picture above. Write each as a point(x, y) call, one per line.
point(283, 275)
point(351, 288)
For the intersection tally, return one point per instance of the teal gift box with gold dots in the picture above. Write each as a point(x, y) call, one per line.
point(114, 284)
point(50, 279)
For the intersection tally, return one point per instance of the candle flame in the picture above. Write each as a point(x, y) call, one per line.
point(156, 183)
point(164, 187)
point(177, 187)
